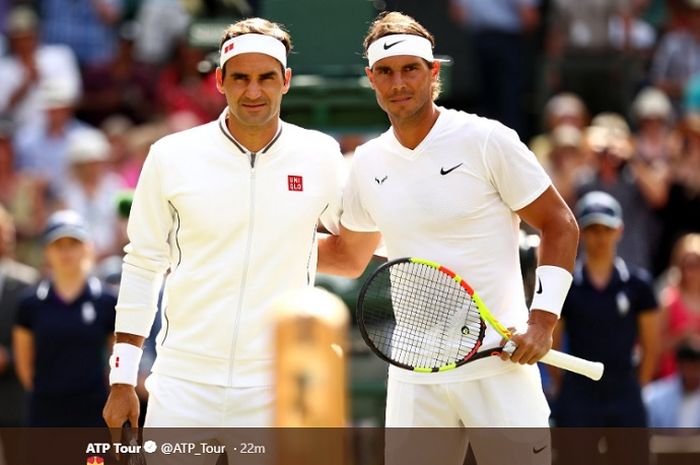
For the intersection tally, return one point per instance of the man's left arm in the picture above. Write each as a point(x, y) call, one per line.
point(557, 253)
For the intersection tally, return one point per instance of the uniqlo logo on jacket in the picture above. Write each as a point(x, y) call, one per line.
point(295, 183)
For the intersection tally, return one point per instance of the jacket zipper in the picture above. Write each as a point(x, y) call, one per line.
point(246, 264)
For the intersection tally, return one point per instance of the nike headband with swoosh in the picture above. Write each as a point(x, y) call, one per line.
point(253, 43)
point(400, 44)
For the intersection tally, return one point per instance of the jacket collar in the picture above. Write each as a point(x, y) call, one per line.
point(223, 127)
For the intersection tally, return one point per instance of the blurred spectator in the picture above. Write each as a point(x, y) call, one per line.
point(138, 141)
point(564, 108)
point(86, 26)
point(29, 66)
point(691, 95)
point(4, 11)
point(228, 8)
point(610, 309)
point(499, 30)
point(14, 278)
point(583, 51)
point(680, 214)
point(674, 402)
point(120, 86)
point(640, 188)
point(91, 189)
point(681, 301)
point(24, 196)
point(653, 115)
point(161, 24)
point(676, 14)
point(66, 318)
point(677, 56)
point(630, 31)
point(40, 148)
point(116, 128)
point(566, 162)
point(183, 88)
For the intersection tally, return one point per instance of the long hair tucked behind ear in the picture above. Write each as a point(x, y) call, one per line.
point(394, 22)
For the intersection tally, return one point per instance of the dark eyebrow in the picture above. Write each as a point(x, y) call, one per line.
point(266, 75)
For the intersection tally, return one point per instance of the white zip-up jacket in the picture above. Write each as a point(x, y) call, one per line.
point(235, 230)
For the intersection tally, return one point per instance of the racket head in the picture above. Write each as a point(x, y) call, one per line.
point(420, 316)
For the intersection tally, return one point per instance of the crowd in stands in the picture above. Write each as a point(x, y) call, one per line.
point(86, 89)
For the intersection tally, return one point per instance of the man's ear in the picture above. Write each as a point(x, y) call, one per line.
point(435, 70)
point(220, 80)
point(287, 80)
point(370, 76)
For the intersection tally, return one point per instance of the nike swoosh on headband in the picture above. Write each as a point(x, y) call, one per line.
point(388, 46)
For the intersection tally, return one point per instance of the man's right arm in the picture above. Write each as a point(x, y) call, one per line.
point(348, 253)
point(123, 402)
point(145, 263)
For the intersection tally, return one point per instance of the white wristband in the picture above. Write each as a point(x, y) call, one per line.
point(124, 364)
point(551, 286)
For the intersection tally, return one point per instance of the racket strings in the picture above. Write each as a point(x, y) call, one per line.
point(421, 317)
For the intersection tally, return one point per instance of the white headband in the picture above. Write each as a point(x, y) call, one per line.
point(253, 43)
point(400, 44)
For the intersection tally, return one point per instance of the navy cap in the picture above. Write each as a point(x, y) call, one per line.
point(598, 208)
point(65, 223)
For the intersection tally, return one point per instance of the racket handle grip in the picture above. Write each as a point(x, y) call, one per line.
point(593, 370)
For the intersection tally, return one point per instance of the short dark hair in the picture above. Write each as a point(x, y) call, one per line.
point(257, 26)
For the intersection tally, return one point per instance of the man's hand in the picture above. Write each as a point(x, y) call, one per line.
point(122, 405)
point(536, 341)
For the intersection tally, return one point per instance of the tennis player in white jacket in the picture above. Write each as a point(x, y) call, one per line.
point(230, 211)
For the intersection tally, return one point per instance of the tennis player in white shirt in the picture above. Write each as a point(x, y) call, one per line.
point(452, 187)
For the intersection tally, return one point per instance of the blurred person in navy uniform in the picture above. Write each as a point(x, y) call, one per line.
point(63, 329)
point(609, 313)
point(674, 401)
point(15, 277)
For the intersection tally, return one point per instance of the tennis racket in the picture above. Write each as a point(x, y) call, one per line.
point(420, 316)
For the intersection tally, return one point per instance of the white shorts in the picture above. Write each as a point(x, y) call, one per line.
point(507, 414)
point(177, 402)
point(205, 411)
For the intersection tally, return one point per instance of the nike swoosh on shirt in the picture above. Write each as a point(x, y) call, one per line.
point(388, 46)
point(537, 451)
point(444, 171)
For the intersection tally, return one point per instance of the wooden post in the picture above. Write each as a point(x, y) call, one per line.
point(310, 335)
